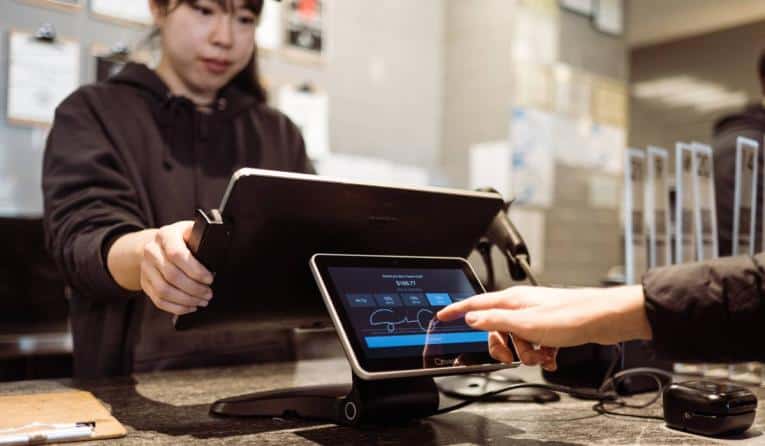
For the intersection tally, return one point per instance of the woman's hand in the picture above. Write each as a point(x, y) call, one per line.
point(173, 279)
point(553, 317)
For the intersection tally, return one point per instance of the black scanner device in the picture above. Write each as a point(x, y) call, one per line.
point(709, 408)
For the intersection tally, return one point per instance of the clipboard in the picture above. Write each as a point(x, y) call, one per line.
point(59, 407)
point(46, 41)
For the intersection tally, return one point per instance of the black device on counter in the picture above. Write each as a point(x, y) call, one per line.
point(269, 224)
point(383, 308)
point(709, 408)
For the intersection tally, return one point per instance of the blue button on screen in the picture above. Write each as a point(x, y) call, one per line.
point(421, 339)
point(438, 299)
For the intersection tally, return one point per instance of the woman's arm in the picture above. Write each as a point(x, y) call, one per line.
point(158, 262)
point(88, 199)
point(95, 227)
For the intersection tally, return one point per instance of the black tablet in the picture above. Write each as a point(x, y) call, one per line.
point(278, 220)
point(384, 307)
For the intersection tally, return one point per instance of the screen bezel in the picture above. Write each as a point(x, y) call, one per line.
point(370, 367)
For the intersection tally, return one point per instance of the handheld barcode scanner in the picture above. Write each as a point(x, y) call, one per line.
point(503, 234)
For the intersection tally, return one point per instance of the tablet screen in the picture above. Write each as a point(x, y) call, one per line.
point(388, 313)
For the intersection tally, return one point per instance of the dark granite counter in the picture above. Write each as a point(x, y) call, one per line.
point(172, 408)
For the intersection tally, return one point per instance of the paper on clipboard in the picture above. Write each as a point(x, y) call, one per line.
point(657, 207)
point(34, 89)
point(56, 410)
point(374, 170)
point(745, 197)
point(685, 203)
point(135, 11)
point(533, 164)
point(309, 110)
point(705, 211)
point(270, 31)
point(531, 223)
point(489, 165)
point(635, 263)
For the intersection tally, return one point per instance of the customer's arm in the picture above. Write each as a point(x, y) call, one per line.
point(552, 318)
point(708, 311)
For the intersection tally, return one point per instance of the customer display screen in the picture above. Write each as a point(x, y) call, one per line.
point(388, 313)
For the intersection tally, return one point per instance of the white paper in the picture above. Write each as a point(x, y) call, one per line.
point(20, 194)
point(533, 165)
point(371, 170)
point(489, 166)
point(609, 16)
point(34, 89)
point(579, 6)
point(634, 230)
point(685, 202)
point(309, 110)
point(532, 85)
point(132, 11)
point(605, 191)
point(745, 197)
point(355, 167)
point(404, 175)
point(270, 31)
point(657, 207)
point(706, 208)
point(535, 35)
point(573, 92)
point(607, 145)
point(571, 140)
point(531, 224)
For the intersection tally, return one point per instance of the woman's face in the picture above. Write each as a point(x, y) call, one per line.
point(205, 44)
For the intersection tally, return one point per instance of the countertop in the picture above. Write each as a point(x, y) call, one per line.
point(172, 408)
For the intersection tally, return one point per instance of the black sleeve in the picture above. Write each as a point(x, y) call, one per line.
point(708, 311)
point(88, 201)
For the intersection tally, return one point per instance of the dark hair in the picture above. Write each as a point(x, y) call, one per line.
point(762, 66)
point(247, 80)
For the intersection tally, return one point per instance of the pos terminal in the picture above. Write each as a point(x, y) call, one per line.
point(259, 243)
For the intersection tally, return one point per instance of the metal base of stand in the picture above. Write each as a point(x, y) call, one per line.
point(363, 402)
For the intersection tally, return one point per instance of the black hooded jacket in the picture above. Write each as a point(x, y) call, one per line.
point(126, 155)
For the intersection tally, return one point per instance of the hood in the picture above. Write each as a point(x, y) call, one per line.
point(181, 124)
point(231, 101)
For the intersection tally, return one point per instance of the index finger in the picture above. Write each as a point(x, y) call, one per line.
point(497, 299)
point(179, 254)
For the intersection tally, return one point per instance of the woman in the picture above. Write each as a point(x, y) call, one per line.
point(127, 163)
point(707, 311)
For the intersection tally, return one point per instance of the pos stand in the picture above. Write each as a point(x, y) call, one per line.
point(363, 402)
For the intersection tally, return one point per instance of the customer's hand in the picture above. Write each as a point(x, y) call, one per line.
point(173, 279)
point(553, 317)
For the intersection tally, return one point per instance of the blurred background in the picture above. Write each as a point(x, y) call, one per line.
point(536, 98)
